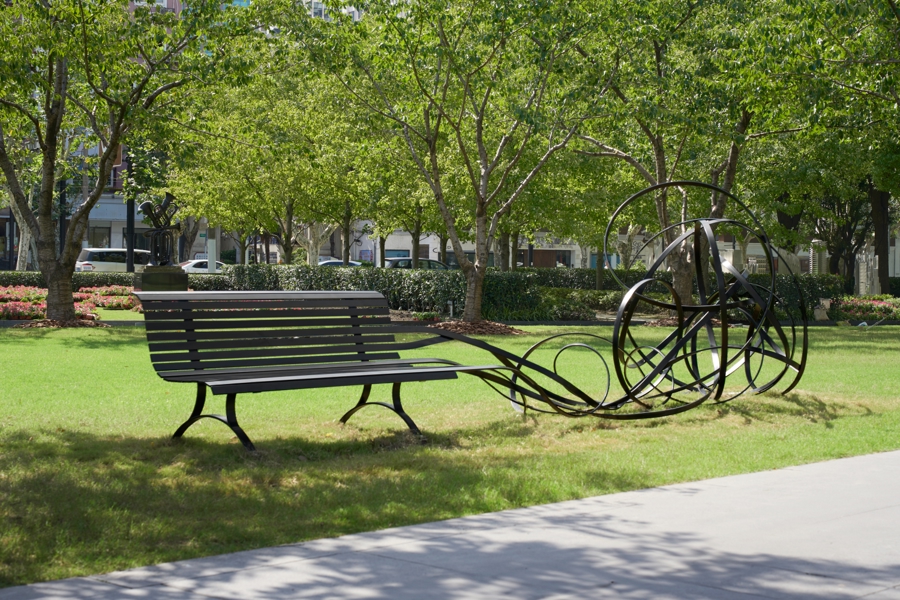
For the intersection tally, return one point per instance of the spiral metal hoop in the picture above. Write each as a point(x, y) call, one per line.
point(701, 359)
point(700, 355)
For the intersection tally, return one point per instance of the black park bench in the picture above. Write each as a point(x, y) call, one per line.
point(249, 342)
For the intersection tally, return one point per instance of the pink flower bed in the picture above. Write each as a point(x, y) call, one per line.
point(865, 309)
point(26, 303)
point(22, 293)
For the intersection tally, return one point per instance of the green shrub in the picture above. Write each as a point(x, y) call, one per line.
point(26, 278)
point(600, 300)
point(562, 304)
point(894, 286)
point(203, 282)
point(79, 279)
point(510, 296)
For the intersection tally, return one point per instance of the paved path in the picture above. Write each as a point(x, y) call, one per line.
point(827, 530)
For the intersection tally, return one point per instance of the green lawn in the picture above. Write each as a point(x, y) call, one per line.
point(106, 314)
point(90, 481)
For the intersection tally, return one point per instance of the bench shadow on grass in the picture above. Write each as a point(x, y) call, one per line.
point(73, 503)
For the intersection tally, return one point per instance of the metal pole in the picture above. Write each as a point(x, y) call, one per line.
point(129, 226)
point(129, 235)
point(62, 214)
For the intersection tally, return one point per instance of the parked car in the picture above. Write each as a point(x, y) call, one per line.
point(336, 262)
point(200, 265)
point(108, 260)
point(407, 263)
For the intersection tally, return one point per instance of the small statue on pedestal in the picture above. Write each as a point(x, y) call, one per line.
point(162, 273)
point(162, 237)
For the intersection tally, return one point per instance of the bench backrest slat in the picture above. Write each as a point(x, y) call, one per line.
point(184, 335)
point(256, 324)
point(269, 342)
point(283, 313)
point(191, 331)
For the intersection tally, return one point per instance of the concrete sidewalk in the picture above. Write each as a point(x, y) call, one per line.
point(826, 530)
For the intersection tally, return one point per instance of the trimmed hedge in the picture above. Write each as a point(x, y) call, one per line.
point(894, 286)
point(79, 280)
point(508, 296)
point(196, 281)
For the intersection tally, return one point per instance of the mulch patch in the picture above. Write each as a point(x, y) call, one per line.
point(478, 328)
point(44, 323)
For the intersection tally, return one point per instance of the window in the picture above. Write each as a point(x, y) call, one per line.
point(396, 253)
point(140, 241)
point(113, 257)
point(612, 260)
point(98, 237)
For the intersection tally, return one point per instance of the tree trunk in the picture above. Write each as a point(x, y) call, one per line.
point(504, 252)
point(443, 253)
point(241, 240)
point(26, 240)
point(682, 276)
point(514, 250)
point(190, 227)
point(346, 240)
point(382, 240)
point(601, 262)
point(881, 222)
point(474, 288)
point(744, 242)
point(266, 246)
point(834, 264)
point(415, 235)
point(60, 302)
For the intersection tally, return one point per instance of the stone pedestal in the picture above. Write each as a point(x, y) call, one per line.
point(161, 279)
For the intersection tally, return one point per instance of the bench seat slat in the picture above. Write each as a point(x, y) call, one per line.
point(262, 323)
point(298, 370)
point(361, 349)
point(271, 384)
point(208, 356)
point(297, 360)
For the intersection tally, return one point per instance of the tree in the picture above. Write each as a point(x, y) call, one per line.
point(691, 86)
point(99, 69)
point(473, 85)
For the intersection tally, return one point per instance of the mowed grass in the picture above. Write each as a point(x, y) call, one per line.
point(90, 481)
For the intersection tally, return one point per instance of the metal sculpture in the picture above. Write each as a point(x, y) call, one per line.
point(162, 236)
point(704, 354)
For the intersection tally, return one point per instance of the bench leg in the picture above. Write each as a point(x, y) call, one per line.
point(229, 419)
point(397, 407)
